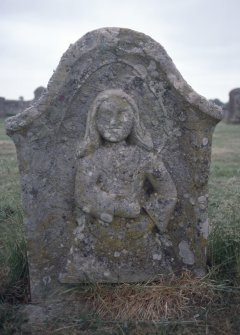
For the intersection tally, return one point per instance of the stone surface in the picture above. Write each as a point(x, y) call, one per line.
point(114, 161)
point(232, 109)
point(34, 319)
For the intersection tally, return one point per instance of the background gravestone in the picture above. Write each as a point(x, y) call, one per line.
point(232, 110)
point(115, 201)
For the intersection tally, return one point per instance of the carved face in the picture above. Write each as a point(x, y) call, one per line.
point(114, 119)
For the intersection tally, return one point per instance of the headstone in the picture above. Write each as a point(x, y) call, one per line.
point(38, 93)
point(218, 102)
point(114, 161)
point(232, 110)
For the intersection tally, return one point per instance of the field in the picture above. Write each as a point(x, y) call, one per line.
point(215, 299)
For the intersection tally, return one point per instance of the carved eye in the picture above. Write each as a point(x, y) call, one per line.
point(105, 116)
point(108, 115)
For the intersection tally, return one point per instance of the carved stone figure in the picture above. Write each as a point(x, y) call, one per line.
point(119, 181)
point(114, 161)
point(110, 180)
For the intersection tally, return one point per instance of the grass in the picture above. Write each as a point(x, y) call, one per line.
point(167, 299)
point(180, 305)
point(13, 265)
point(3, 136)
point(224, 200)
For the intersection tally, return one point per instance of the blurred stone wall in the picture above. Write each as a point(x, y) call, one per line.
point(13, 107)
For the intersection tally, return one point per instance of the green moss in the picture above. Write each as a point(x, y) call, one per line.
point(118, 237)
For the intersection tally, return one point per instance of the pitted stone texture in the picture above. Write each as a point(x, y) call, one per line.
point(232, 110)
point(114, 161)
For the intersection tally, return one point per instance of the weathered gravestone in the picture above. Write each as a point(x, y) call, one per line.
point(114, 162)
point(232, 110)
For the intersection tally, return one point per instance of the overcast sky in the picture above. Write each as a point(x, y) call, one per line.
point(201, 36)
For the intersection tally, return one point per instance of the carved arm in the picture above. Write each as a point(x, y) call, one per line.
point(161, 202)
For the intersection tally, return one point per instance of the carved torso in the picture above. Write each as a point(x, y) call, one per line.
point(119, 169)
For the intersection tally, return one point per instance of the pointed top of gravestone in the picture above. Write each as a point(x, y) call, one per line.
point(115, 43)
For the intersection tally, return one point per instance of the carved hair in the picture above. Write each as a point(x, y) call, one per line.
point(92, 139)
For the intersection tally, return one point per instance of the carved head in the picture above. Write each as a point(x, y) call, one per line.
point(113, 117)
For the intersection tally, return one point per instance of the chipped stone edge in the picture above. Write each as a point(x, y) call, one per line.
point(110, 36)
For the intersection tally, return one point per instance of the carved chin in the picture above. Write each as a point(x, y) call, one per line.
point(113, 137)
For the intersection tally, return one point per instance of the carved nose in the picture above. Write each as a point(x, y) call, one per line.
point(112, 122)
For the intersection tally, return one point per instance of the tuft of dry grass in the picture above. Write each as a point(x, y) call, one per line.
point(169, 298)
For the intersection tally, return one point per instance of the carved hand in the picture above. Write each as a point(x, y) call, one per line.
point(127, 209)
